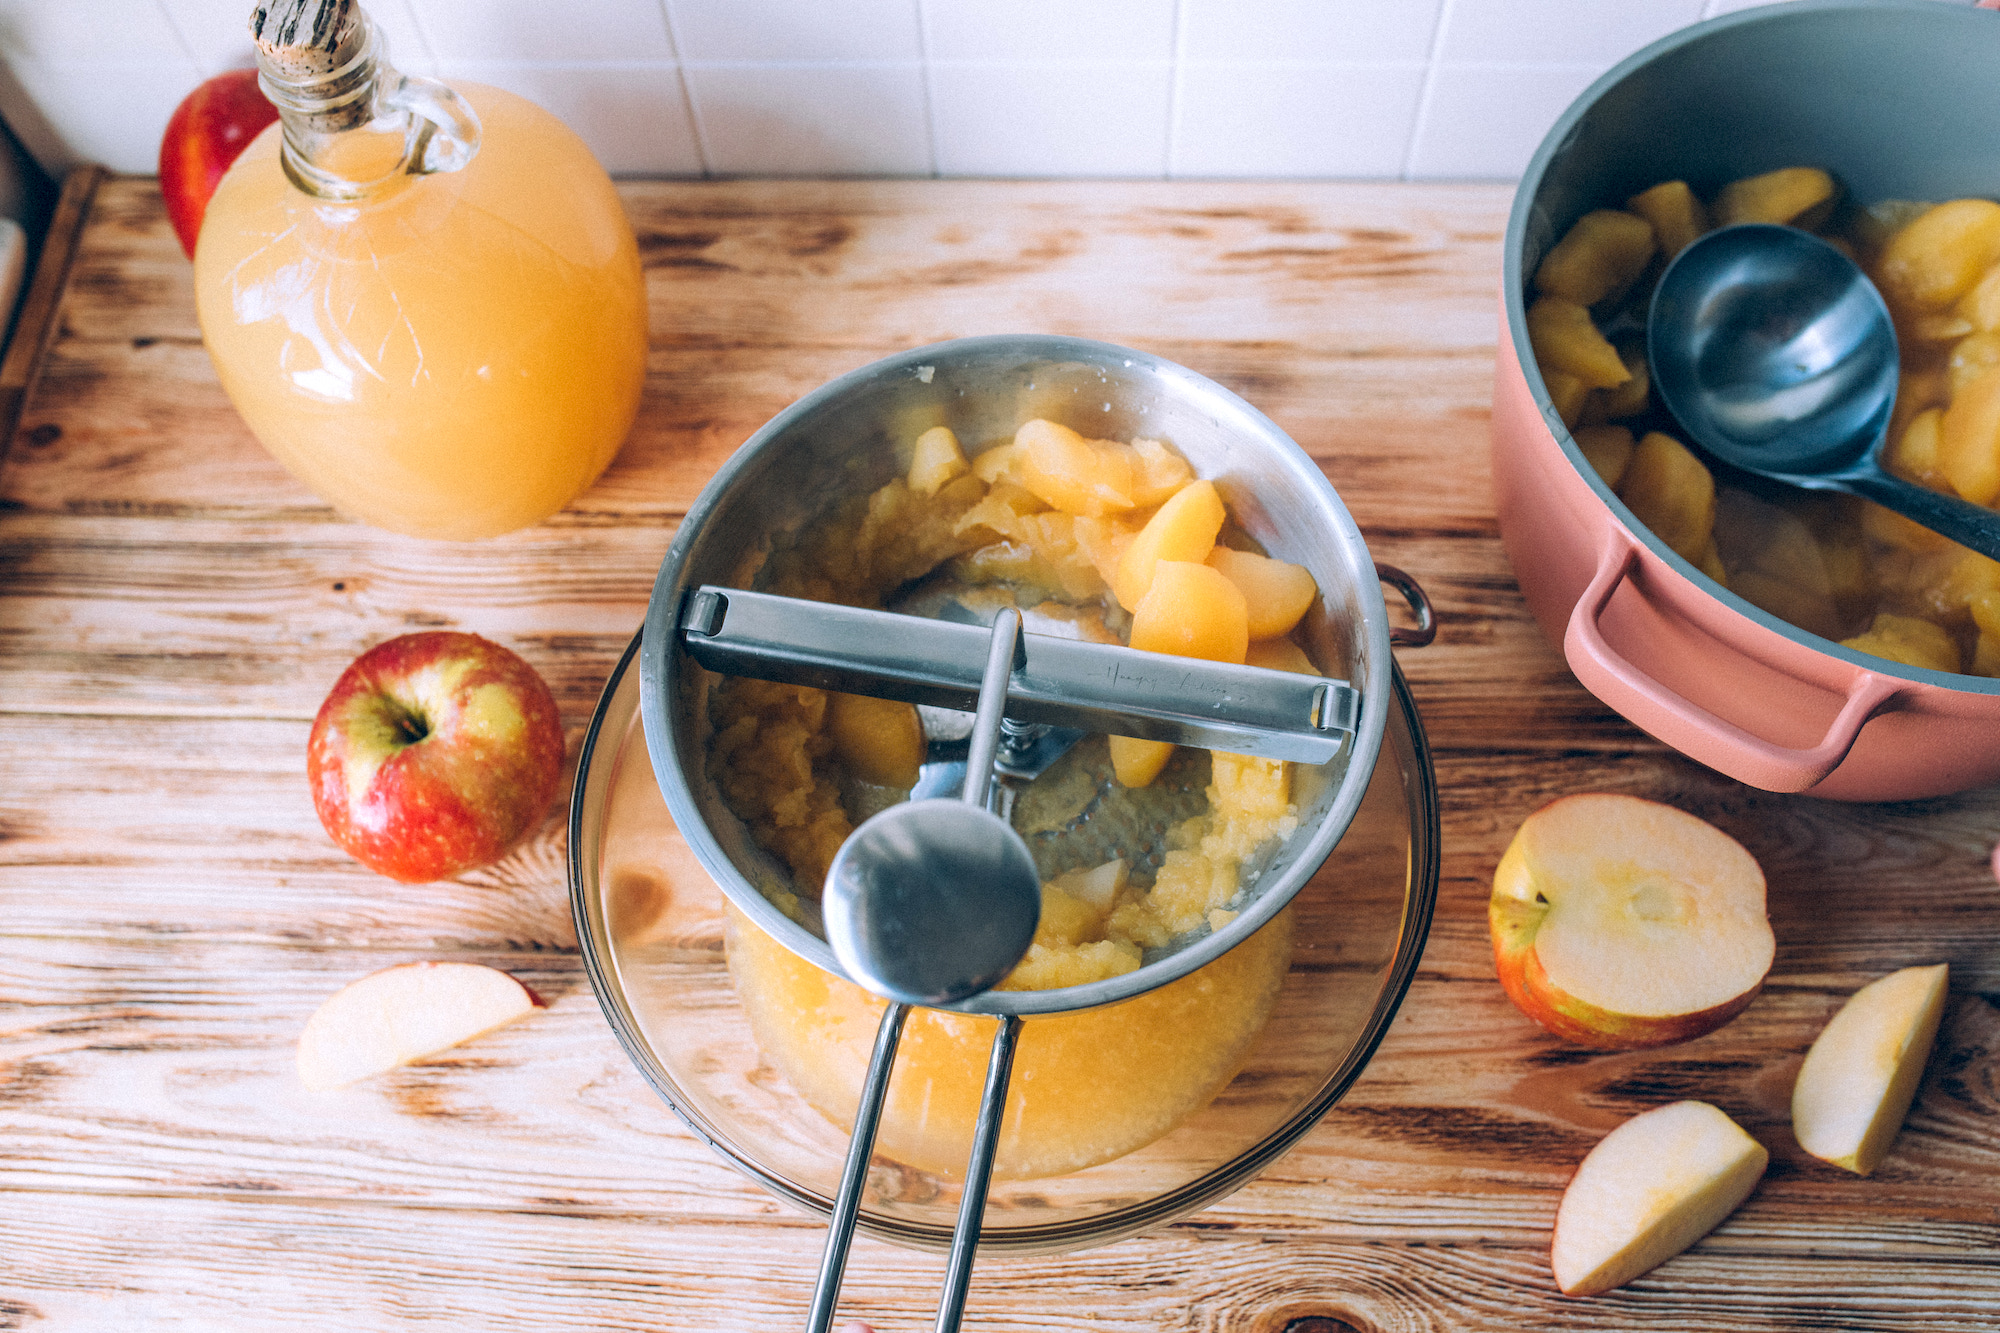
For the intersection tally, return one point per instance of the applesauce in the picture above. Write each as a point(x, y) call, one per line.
point(1134, 857)
point(1087, 1087)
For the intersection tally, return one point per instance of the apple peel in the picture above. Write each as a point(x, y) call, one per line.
point(1621, 923)
point(403, 1014)
point(1859, 1078)
point(206, 133)
point(1649, 1189)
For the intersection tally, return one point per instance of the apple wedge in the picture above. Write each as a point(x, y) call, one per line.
point(1621, 923)
point(402, 1014)
point(1861, 1074)
point(1649, 1189)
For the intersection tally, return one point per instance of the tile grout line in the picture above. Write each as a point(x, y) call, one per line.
point(927, 85)
point(1427, 92)
point(688, 102)
point(187, 47)
point(1176, 75)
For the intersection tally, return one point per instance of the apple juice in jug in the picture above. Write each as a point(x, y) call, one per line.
point(425, 301)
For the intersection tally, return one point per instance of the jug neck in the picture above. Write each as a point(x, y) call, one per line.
point(354, 128)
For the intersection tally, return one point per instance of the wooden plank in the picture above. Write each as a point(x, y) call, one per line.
point(164, 1065)
point(232, 617)
point(41, 307)
point(1283, 302)
point(256, 1265)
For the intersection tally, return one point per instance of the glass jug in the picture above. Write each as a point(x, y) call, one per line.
point(425, 301)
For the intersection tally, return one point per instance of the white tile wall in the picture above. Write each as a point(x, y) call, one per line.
point(1117, 88)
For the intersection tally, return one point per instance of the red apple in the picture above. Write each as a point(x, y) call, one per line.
point(434, 754)
point(1620, 923)
point(208, 131)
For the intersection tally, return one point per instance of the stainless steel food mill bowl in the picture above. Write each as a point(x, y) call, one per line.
point(843, 438)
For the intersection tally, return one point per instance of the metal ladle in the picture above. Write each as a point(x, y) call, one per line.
point(1778, 356)
point(928, 903)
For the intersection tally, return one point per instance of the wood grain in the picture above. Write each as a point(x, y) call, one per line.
point(173, 607)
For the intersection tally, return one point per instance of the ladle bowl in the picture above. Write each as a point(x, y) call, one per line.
point(1778, 356)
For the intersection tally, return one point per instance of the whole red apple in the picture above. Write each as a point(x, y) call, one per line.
point(208, 131)
point(434, 754)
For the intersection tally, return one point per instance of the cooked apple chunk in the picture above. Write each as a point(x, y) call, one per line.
point(1599, 257)
point(1677, 216)
point(1074, 474)
point(880, 740)
point(936, 460)
point(1277, 592)
point(1189, 610)
point(1565, 340)
point(1797, 196)
point(1184, 528)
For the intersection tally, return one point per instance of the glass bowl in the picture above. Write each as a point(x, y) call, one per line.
point(651, 925)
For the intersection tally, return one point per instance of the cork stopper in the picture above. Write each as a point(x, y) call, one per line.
point(300, 40)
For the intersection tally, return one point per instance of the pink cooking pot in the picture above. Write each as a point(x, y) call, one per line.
point(1898, 98)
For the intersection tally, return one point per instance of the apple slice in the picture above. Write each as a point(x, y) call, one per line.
point(402, 1014)
point(1649, 1189)
point(1861, 1074)
point(1621, 923)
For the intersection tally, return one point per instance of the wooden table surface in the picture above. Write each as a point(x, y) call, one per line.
point(173, 607)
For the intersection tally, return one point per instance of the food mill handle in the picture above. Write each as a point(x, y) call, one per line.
point(1095, 687)
point(1615, 679)
point(1419, 602)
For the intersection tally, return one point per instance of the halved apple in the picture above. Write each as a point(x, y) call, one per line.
point(1649, 1189)
point(402, 1014)
point(1622, 923)
point(1861, 1074)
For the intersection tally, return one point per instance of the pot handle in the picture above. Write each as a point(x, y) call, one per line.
point(1426, 628)
point(1750, 758)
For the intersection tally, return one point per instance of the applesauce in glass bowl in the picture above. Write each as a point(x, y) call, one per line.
point(652, 926)
point(656, 854)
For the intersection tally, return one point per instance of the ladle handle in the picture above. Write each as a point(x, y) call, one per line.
point(978, 1173)
point(840, 1226)
point(1002, 654)
point(1966, 523)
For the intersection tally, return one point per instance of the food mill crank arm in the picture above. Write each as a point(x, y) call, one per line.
point(1093, 687)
